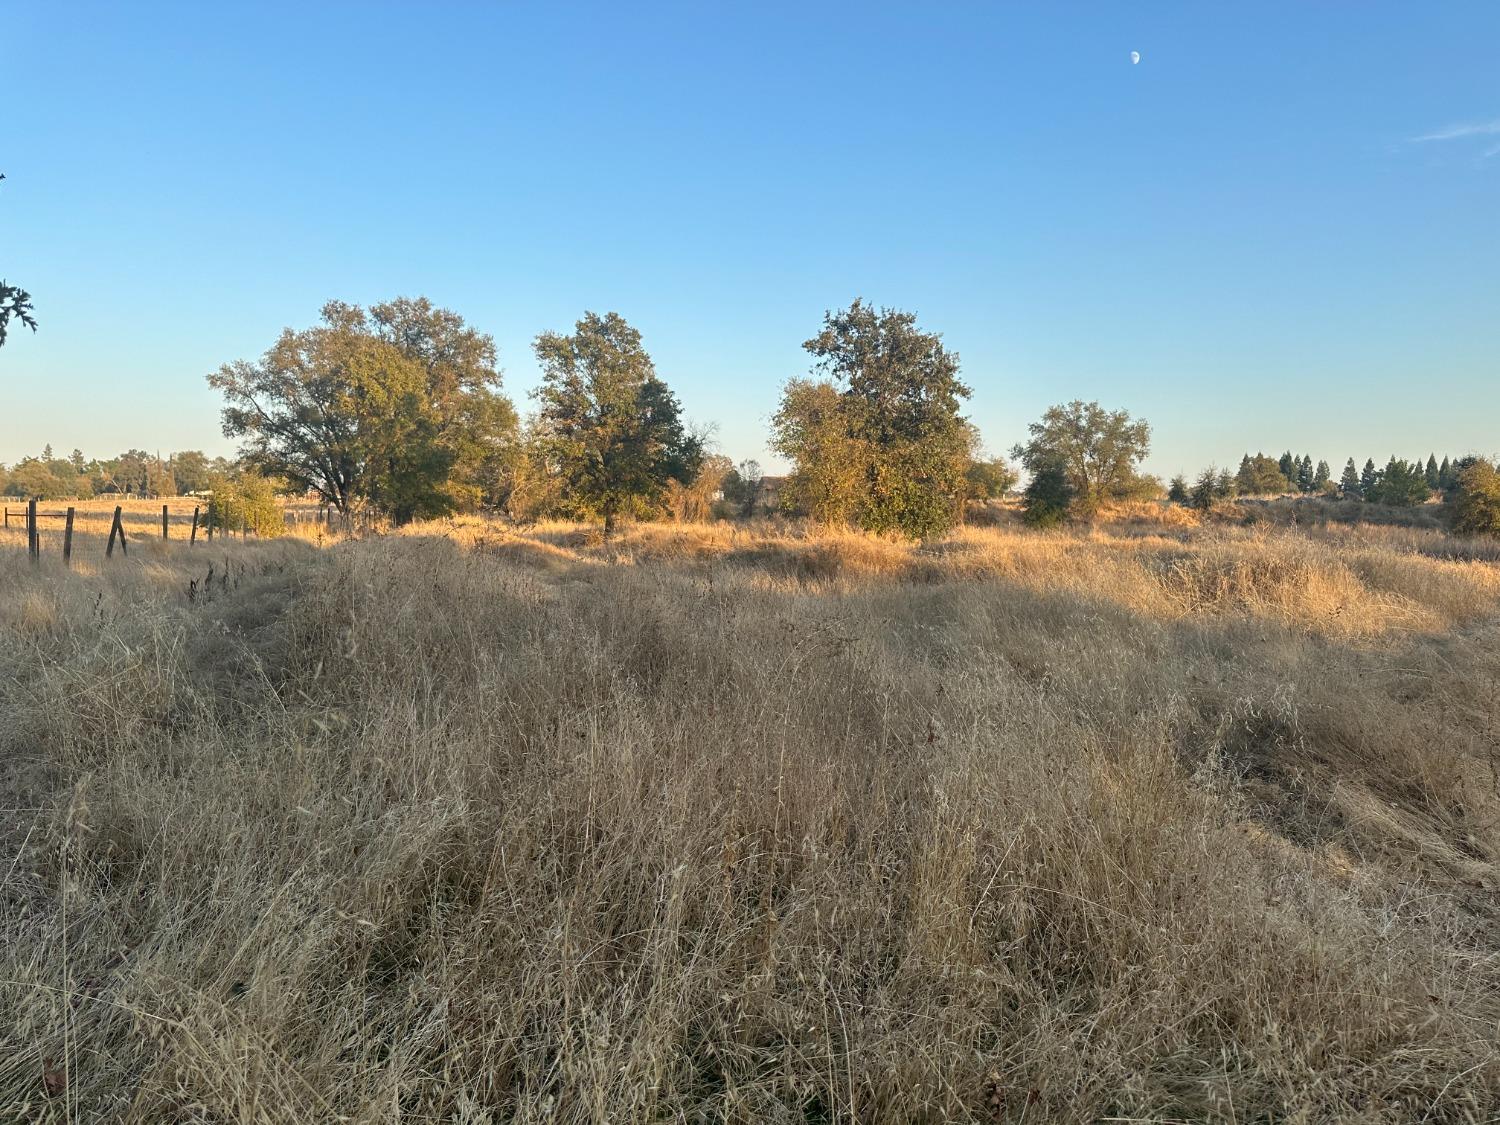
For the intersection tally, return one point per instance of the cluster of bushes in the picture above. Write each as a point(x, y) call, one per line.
point(247, 502)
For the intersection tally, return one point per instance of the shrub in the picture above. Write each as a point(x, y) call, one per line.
point(1048, 497)
point(248, 501)
point(1476, 501)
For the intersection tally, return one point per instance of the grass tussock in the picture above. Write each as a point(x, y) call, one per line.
point(1145, 822)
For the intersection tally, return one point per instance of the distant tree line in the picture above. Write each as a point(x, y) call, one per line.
point(132, 473)
point(1400, 483)
point(1466, 486)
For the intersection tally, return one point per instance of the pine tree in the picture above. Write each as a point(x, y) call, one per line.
point(1177, 491)
point(1288, 465)
point(1349, 485)
point(1305, 474)
point(1322, 477)
point(1205, 491)
point(1369, 480)
point(1048, 496)
point(1434, 474)
point(1445, 475)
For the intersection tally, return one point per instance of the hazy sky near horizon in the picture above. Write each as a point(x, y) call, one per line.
point(1280, 229)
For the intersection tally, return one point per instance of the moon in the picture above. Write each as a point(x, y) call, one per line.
point(1135, 58)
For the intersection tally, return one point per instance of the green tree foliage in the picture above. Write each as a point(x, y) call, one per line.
point(15, 304)
point(1446, 475)
point(1369, 479)
point(396, 409)
point(1322, 479)
point(1177, 491)
point(1475, 501)
point(829, 465)
point(898, 409)
point(1260, 476)
point(990, 478)
point(248, 501)
point(1097, 449)
point(610, 428)
point(1401, 484)
point(34, 478)
point(1433, 473)
point(1304, 479)
point(477, 425)
point(1212, 487)
point(1350, 487)
point(1288, 467)
point(47, 478)
point(1049, 496)
point(195, 471)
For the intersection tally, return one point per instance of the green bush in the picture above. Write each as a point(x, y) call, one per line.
point(1476, 500)
point(247, 502)
point(1049, 497)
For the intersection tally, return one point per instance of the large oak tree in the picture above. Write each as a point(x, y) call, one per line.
point(397, 409)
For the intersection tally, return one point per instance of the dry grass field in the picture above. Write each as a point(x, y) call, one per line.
point(1148, 822)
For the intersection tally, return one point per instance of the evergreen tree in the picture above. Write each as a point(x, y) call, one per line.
point(1322, 477)
point(1349, 484)
point(1434, 474)
point(1369, 480)
point(1305, 474)
point(1177, 491)
point(1048, 497)
point(1445, 475)
point(1205, 490)
point(1260, 476)
point(1288, 465)
point(1402, 484)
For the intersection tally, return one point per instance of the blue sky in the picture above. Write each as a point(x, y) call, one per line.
point(1241, 238)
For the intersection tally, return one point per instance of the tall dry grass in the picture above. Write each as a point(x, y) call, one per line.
point(753, 824)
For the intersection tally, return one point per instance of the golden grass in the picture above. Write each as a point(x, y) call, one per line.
point(1153, 821)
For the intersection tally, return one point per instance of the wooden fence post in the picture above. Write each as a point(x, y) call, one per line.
point(68, 539)
point(193, 535)
point(33, 542)
point(163, 521)
point(116, 528)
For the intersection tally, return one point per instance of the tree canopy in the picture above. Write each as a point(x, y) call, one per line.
point(1476, 499)
point(878, 439)
point(1097, 449)
point(396, 408)
point(607, 426)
